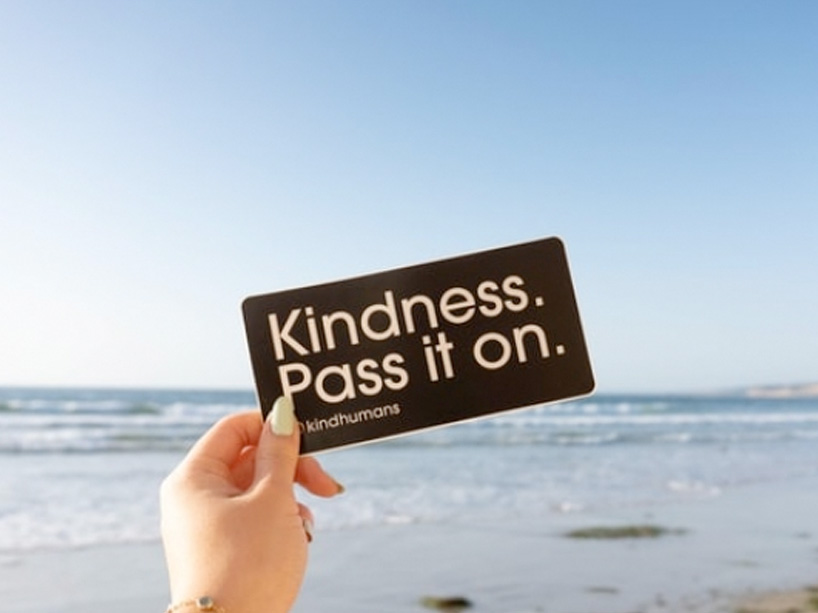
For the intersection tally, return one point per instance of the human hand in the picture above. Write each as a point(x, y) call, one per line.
point(231, 526)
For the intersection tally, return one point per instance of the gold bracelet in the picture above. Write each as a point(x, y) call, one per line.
point(203, 603)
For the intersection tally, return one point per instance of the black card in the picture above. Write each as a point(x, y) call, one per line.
point(408, 349)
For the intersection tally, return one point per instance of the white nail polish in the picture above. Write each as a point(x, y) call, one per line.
point(282, 421)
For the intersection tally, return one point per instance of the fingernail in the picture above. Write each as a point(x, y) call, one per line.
point(341, 488)
point(282, 420)
point(308, 528)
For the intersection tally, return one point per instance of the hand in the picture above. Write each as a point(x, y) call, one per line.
point(231, 526)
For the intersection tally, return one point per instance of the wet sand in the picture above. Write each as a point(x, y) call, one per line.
point(753, 549)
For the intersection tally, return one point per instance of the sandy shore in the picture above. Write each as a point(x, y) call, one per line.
point(738, 551)
point(125, 579)
point(789, 601)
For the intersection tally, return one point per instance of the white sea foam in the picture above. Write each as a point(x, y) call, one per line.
point(576, 438)
point(567, 506)
point(695, 488)
point(671, 419)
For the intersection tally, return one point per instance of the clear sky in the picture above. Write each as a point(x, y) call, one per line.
point(160, 161)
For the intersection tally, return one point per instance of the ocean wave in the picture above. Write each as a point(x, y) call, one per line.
point(525, 421)
point(101, 437)
point(115, 407)
point(696, 489)
point(205, 415)
point(584, 438)
point(69, 441)
point(105, 420)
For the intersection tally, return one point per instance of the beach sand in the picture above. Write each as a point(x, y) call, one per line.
point(791, 601)
point(740, 551)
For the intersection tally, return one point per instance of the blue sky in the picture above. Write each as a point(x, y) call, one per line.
point(161, 161)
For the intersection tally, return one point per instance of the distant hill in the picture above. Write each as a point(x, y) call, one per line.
point(803, 390)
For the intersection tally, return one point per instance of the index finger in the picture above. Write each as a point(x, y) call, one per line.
point(227, 437)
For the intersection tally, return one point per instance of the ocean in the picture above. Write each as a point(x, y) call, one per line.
point(81, 467)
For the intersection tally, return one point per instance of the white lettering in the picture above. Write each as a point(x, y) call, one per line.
point(280, 337)
point(505, 350)
point(290, 388)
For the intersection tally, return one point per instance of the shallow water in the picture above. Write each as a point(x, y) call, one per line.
point(80, 467)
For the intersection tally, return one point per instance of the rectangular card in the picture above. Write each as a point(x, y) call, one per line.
point(413, 348)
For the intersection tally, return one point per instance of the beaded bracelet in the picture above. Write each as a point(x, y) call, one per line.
point(203, 603)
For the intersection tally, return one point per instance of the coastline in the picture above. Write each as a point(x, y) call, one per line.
point(732, 553)
point(714, 557)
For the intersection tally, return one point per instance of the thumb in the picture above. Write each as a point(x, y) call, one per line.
point(277, 453)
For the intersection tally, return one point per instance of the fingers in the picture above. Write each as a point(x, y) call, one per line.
point(225, 441)
point(243, 471)
point(307, 519)
point(312, 477)
point(249, 450)
point(277, 453)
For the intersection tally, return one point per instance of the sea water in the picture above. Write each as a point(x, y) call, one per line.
point(80, 467)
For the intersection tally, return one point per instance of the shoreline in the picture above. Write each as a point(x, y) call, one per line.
point(750, 550)
point(714, 558)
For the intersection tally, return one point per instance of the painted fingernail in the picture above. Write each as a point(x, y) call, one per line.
point(308, 528)
point(282, 421)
